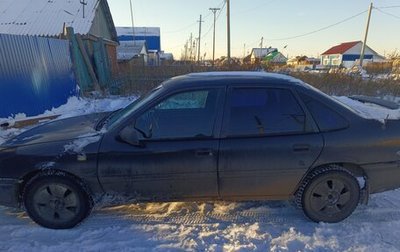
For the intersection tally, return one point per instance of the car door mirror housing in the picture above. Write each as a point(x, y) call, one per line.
point(130, 135)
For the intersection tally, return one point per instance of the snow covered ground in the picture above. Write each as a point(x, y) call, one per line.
point(222, 226)
point(247, 226)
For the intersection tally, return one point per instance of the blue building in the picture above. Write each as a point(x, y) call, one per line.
point(150, 34)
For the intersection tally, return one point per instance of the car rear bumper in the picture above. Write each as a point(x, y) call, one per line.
point(383, 176)
point(9, 192)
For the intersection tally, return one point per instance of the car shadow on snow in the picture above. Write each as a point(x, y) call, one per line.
point(382, 207)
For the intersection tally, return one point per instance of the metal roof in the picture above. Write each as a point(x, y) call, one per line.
point(342, 48)
point(262, 52)
point(130, 49)
point(139, 31)
point(46, 17)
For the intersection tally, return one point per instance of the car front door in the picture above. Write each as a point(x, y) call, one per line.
point(268, 143)
point(177, 153)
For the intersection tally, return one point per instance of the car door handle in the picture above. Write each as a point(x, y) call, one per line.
point(301, 147)
point(204, 153)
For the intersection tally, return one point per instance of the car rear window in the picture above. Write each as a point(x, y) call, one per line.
point(326, 118)
point(263, 111)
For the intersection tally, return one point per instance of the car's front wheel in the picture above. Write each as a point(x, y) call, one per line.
point(330, 195)
point(56, 200)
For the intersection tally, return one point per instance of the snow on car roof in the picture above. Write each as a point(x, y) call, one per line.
point(247, 74)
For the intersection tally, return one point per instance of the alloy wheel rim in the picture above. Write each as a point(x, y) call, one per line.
point(56, 203)
point(330, 197)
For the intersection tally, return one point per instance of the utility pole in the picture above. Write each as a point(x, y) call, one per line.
point(198, 53)
point(186, 51)
point(194, 49)
point(214, 10)
point(191, 46)
point(228, 15)
point(262, 43)
point(366, 35)
point(133, 24)
point(244, 51)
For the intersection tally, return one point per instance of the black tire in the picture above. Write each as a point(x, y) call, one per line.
point(330, 195)
point(57, 200)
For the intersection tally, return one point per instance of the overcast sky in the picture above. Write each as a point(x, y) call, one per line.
point(275, 20)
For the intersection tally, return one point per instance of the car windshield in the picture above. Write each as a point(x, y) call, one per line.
point(119, 116)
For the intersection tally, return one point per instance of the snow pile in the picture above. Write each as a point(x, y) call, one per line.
point(81, 106)
point(74, 107)
point(8, 134)
point(80, 143)
point(369, 110)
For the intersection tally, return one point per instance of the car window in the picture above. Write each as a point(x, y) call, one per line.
point(326, 118)
point(261, 111)
point(120, 115)
point(188, 100)
point(188, 114)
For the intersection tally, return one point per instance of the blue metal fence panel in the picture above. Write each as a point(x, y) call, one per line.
point(36, 74)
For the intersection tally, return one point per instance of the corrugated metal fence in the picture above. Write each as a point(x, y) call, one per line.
point(36, 74)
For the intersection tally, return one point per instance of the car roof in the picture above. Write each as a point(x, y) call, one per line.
point(214, 78)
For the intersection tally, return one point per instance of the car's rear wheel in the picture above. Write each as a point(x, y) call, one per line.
point(57, 201)
point(330, 195)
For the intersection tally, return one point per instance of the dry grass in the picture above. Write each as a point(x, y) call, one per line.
point(142, 79)
point(342, 84)
point(379, 68)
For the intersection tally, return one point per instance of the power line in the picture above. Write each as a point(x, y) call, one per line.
point(182, 29)
point(387, 13)
point(388, 7)
point(190, 25)
point(256, 8)
point(321, 29)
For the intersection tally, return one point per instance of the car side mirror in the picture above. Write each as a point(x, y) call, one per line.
point(130, 135)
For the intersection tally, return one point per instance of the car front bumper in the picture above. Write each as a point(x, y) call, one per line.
point(9, 189)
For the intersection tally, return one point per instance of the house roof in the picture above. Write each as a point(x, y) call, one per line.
point(275, 57)
point(342, 48)
point(139, 31)
point(47, 17)
point(127, 50)
point(262, 52)
point(166, 56)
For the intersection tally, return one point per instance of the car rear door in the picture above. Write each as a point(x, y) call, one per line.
point(178, 153)
point(268, 142)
